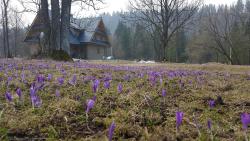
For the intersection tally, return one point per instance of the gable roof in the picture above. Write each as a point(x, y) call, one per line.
point(84, 30)
point(81, 30)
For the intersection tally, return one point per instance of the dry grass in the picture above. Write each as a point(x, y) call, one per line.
point(140, 112)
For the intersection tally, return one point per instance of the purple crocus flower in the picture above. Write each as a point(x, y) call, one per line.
point(57, 93)
point(94, 97)
point(245, 120)
point(36, 101)
point(179, 117)
point(164, 93)
point(32, 90)
point(60, 80)
point(209, 124)
point(106, 84)
point(119, 88)
point(127, 77)
point(90, 105)
point(19, 92)
point(49, 77)
point(161, 81)
point(23, 77)
point(40, 78)
point(8, 96)
point(9, 79)
point(211, 103)
point(111, 130)
point(95, 85)
point(152, 79)
point(73, 80)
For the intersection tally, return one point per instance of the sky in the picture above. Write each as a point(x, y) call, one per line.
point(118, 5)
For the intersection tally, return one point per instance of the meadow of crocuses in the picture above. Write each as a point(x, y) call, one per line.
point(47, 100)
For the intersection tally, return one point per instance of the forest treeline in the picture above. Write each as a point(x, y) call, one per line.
point(193, 34)
point(214, 34)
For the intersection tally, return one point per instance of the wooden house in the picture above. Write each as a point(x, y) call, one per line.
point(88, 39)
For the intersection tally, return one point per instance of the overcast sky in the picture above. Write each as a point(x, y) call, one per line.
point(118, 5)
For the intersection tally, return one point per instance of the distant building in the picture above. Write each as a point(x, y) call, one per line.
point(89, 39)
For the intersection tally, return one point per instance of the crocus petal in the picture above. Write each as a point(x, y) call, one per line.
point(119, 88)
point(179, 117)
point(8, 96)
point(245, 120)
point(209, 124)
point(90, 105)
point(111, 130)
point(211, 103)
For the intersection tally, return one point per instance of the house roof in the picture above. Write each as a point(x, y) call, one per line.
point(81, 31)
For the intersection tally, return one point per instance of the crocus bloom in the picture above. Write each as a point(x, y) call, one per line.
point(49, 77)
point(245, 120)
point(119, 88)
point(19, 92)
point(90, 105)
point(9, 79)
point(211, 103)
point(57, 93)
point(161, 81)
point(23, 77)
point(94, 97)
point(40, 78)
point(73, 80)
point(95, 85)
point(106, 84)
point(60, 80)
point(164, 93)
point(111, 130)
point(209, 124)
point(8, 96)
point(179, 117)
point(127, 77)
point(36, 101)
point(32, 90)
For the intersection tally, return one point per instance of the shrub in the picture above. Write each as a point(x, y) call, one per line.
point(60, 55)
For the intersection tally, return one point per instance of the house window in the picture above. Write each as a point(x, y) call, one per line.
point(98, 50)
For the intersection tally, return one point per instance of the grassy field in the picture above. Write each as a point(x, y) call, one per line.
point(46, 100)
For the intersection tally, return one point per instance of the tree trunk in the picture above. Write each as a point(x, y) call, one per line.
point(65, 25)
point(249, 56)
point(46, 20)
point(15, 34)
point(6, 26)
point(55, 25)
point(4, 39)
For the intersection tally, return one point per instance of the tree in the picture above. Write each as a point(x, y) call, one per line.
point(248, 26)
point(123, 37)
point(143, 44)
point(161, 17)
point(5, 25)
point(55, 25)
point(220, 25)
point(181, 42)
point(56, 32)
point(65, 25)
point(45, 18)
point(65, 20)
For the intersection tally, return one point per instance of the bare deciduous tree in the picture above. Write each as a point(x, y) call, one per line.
point(161, 17)
point(5, 25)
point(220, 26)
